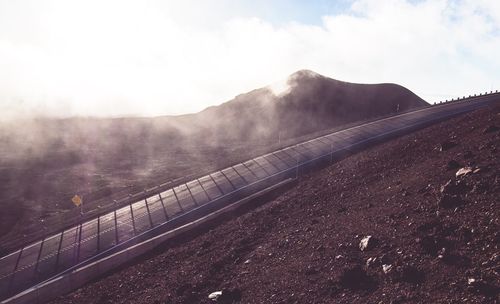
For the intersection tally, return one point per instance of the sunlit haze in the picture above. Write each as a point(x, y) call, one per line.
point(150, 58)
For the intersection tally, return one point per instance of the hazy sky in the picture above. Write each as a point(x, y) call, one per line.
point(144, 57)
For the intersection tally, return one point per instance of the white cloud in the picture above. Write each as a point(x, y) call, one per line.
point(144, 58)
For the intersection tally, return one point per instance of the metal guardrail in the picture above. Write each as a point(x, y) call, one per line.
point(219, 202)
point(463, 98)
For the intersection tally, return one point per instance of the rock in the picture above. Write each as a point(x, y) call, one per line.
point(448, 201)
point(442, 253)
point(447, 145)
point(215, 295)
point(490, 129)
point(453, 164)
point(367, 243)
point(463, 171)
point(386, 268)
point(370, 261)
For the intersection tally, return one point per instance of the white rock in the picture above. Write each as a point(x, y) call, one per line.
point(463, 171)
point(370, 261)
point(386, 268)
point(215, 295)
point(366, 243)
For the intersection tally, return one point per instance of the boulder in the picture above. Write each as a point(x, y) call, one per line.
point(464, 171)
point(367, 243)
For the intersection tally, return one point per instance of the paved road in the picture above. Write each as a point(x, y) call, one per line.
point(157, 213)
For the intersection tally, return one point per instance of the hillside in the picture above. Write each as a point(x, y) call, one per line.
point(309, 102)
point(44, 162)
point(434, 234)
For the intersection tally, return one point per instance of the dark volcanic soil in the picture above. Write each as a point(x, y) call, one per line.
point(436, 246)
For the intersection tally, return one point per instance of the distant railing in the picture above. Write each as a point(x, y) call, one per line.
point(464, 98)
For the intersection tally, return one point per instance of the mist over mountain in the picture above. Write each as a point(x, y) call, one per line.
point(44, 162)
point(309, 103)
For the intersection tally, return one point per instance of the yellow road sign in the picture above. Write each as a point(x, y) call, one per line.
point(77, 200)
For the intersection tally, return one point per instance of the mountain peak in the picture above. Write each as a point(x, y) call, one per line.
point(304, 74)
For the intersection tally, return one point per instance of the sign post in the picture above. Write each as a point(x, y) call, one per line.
point(78, 202)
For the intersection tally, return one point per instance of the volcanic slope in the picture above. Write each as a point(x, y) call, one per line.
point(44, 162)
point(434, 236)
point(309, 102)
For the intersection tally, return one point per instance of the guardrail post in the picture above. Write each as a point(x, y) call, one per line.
point(38, 258)
point(79, 243)
point(98, 233)
point(149, 213)
point(204, 190)
point(133, 219)
point(11, 281)
point(331, 153)
point(194, 199)
point(163, 205)
point(59, 250)
point(297, 171)
point(116, 224)
point(177, 199)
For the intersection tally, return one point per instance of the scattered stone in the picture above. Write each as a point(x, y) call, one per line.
point(495, 258)
point(386, 268)
point(490, 129)
point(450, 201)
point(367, 243)
point(442, 253)
point(447, 145)
point(453, 164)
point(463, 171)
point(371, 261)
point(215, 295)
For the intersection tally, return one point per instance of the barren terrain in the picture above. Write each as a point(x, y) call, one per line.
point(434, 233)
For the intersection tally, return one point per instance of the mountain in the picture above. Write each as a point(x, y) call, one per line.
point(311, 102)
